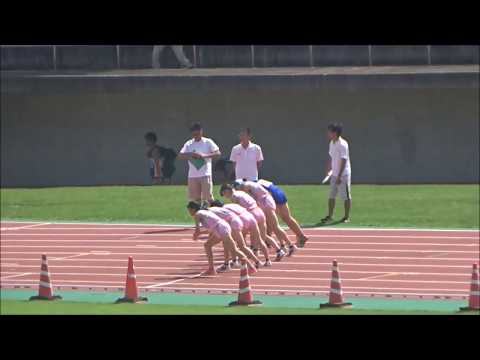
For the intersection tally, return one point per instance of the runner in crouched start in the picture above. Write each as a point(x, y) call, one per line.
point(246, 201)
point(283, 211)
point(249, 226)
point(219, 231)
point(236, 224)
point(267, 204)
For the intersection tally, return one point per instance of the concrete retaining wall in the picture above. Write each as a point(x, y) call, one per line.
point(419, 128)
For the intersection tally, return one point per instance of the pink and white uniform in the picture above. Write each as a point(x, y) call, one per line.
point(249, 203)
point(248, 219)
point(261, 195)
point(215, 224)
point(229, 216)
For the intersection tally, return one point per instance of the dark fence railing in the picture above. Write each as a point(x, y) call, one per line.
point(78, 57)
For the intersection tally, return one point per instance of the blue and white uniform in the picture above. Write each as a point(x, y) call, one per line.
point(277, 194)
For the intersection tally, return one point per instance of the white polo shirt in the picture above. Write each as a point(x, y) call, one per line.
point(246, 161)
point(339, 150)
point(199, 167)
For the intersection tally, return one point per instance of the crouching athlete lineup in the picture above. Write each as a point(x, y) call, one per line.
point(253, 211)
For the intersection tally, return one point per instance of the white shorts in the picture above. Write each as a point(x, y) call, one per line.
point(343, 190)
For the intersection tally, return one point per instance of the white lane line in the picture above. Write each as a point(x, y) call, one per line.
point(22, 227)
point(441, 255)
point(58, 275)
point(174, 281)
point(12, 276)
point(190, 226)
point(69, 257)
point(326, 228)
point(113, 247)
point(162, 254)
point(58, 282)
point(189, 241)
point(122, 260)
point(118, 228)
point(210, 286)
point(395, 273)
point(262, 271)
point(311, 236)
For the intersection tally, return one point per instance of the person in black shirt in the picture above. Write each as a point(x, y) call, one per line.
point(162, 160)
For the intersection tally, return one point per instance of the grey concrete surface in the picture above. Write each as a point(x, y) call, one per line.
point(344, 55)
point(454, 54)
point(282, 55)
point(399, 55)
point(26, 57)
point(218, 56)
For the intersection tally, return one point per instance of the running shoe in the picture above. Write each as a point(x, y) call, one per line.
point(301, 241)
point(225, 267)
point(291, 250)
point(280, 255)
point(267, 263)
point(234, 264)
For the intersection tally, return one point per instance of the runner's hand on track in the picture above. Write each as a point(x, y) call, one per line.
point(196, 233)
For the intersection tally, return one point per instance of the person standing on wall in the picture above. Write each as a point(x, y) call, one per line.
point(199, 151)
point(247, 156)
point(177, 50)
point(339, 164)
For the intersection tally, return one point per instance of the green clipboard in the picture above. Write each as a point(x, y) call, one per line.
point(198, 163)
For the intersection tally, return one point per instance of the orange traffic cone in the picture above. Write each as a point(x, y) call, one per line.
point(336, 296)
point(245, 296)
point(45, 291)
point(131, 289)
point(474, 297)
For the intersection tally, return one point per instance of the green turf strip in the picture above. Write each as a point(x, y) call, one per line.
point(14, 301)
point(410, 206)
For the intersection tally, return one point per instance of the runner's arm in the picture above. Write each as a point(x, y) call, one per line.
point(212, 155)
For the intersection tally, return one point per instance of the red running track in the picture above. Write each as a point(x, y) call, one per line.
point(373, 263)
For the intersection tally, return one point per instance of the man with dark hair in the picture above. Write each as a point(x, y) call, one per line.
point(339, 164)
point(199, 151)
point(247, 156)
point(161, 160)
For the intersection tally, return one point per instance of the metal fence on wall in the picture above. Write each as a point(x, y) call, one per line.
point(250, 55)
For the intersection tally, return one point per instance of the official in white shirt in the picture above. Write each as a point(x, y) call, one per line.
point(199, 152)
point(247, 157)
point(340, 182)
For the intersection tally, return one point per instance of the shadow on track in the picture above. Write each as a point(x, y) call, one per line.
point(167, 231)
point(320, 224)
